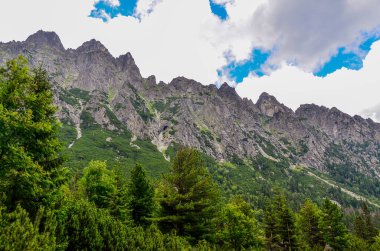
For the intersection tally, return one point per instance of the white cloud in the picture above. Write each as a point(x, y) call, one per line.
point(145, 7)
point(310, 32)
point(182, 37)
point(171, 41)
point(113, 3)
point(348, 90)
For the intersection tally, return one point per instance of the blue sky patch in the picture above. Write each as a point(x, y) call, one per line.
point(218, 10)
point(347, 59)
point(237, 71)
point(103, 10)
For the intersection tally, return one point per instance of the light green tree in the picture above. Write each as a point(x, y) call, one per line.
point(99, 184)
point(237, 226)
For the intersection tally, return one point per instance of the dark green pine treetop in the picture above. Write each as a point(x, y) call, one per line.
point(141, 194)
point(188, 197)
point(334, 231)
point(30, 161)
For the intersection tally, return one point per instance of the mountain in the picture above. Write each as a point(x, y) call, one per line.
point(108, 110)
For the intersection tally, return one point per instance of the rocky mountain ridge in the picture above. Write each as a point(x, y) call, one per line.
point(92, 87)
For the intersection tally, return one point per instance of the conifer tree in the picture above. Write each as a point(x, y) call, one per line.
point(334, 231)
point(308, 222)
point(141, 194)
point(272, 237)
point(19, 232)
point(120, 205)
point(188, 197)
point(30, 161)
point(280, 229)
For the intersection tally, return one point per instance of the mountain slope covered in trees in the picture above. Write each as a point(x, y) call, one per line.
point(74, 200)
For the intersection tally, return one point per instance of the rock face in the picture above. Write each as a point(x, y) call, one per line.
point(89, 80)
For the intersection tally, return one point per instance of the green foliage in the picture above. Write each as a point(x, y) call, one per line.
point(30, 164)
point(141, 106)
point(355, 243)
point(74, 95)
point(238, 228)
point(19, 232)
point(188, 197)
point(376, 245)
point(83, 226)
point(334, 231)
point(308, 223)
point(40, 211)
point(280, 229)
point(364, 227)
point(118, 152)
point(141, 194)
point(99, 184)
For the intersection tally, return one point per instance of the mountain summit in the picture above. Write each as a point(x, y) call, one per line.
point(92, 88)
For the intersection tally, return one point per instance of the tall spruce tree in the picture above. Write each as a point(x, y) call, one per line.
point(308, 223)
point(334, 231)
point(280, 229)
point(141, 194)
point(188, 197)
point(30, 161)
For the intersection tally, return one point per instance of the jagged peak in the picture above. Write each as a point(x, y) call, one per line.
point(49, 38)
point(306, 109)
point(152, 80)
point(126, 60)
point(269, 105)
point(181, 82)
point(127, 63)
point(228, 91)
point(92, 45)
point(266, 97)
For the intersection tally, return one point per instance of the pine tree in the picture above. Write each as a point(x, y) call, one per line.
point(359, 227)
point(280, 229)
point(308, 222)
point(286, 226)
point(272, 237)
point(19, 232)
point(334, 231)
point(370, 230)
point(30, 161)
point(188, 197)
point(120, 204)
point(141, 194)
point(363, 226)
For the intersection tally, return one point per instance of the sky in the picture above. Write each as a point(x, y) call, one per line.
point(301, 51)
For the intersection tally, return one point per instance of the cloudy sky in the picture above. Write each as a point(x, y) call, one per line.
point(302, 51)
